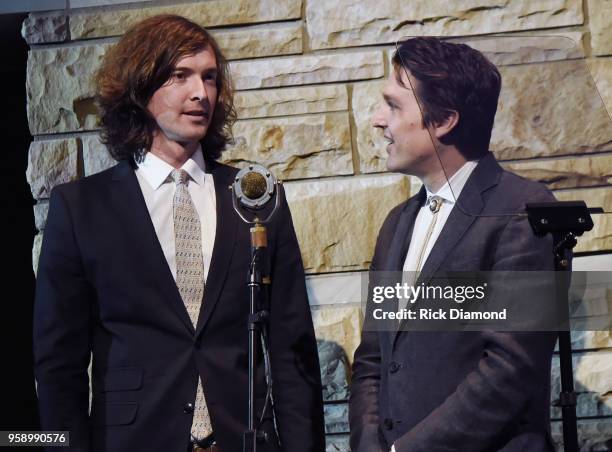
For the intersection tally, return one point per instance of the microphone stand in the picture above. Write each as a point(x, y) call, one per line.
point(257, 279)
point(565, 221)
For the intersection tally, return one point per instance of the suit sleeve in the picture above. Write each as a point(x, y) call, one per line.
point(293, 347)
point(490, 398)
point(61, 329)
point(365, 380)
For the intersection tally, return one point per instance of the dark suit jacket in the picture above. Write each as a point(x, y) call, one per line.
point(464, 391)
point(104, 288)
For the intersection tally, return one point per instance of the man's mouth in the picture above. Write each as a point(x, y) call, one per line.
point(389, 140)
point(197, 113)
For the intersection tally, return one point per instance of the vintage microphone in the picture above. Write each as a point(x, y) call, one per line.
point(253, 188)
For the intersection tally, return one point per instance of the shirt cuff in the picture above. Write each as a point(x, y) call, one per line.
point(392, 448)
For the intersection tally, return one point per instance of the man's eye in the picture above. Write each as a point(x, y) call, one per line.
point(210, 77)
point(178, 76)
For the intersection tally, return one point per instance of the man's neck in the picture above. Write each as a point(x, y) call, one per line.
point(450, 163)
point(172, 152)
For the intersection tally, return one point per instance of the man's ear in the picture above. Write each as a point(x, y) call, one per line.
point(445, 126)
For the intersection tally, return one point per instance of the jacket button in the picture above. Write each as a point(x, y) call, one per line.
point(388, 423)
point(394, 367)
point(188, 408)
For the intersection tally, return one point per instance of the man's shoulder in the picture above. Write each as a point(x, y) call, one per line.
point(519, 189)
point(91, 184)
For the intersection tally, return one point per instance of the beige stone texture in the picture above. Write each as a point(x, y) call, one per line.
point(41, 209)
point(573, 172)
point(50, 163)
point(601, 71)
point(339, 324)
point(365, 99)
point(535, 47)
point(43, 28)
point(60, 90)
point(251, 42)
point(362, 22)
point(115, 21)
point(296, 146)
point(549, 109)
point(329, 214)
point(600, 238)
point(309, 69)
point(290, 101)
point(584, 340)
point(96, 157)
point(36, 246)
point(600, 24)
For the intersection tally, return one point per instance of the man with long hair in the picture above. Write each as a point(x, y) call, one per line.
point(143, 268)
point(447, 390)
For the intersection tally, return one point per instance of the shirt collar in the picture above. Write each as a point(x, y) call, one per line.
point(156, 171)
point(457, 181)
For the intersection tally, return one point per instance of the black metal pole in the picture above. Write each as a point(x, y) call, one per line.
point(562, 243)
point(250, 435)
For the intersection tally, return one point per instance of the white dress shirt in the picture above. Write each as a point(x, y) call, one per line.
point(158, 190)
point(425, 216)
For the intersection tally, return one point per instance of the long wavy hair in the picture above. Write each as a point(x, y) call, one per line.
point(137, 66)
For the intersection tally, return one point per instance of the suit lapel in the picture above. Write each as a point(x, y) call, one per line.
point(403, 232)
point(132, 212)
point(225, 240)
point(465, 211)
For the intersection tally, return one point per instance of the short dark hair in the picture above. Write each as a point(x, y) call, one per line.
point(453, 77)
point(137, 66)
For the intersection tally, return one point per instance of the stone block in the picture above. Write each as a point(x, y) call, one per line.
point(335, 371)
point(532, 47)
point(36, 246)
point(258, 41)
point(294, 147)
point(96, 157)
point(337, 220)
point(600, 24)
point(601, 70)
point(50, 163)
point(42, 28)
point(337, 443)
point(549, 109)
point(583, 171)
point(365, 99)
point(60, 88)
point(41, 209)
point(374, 22)
point(116, 20)
point(336, 418)
point(334, 288)
point(594, 435)
point(340, 325)
point(592, 382)
point(309, 69)
point(600, 238)
point(290, 101)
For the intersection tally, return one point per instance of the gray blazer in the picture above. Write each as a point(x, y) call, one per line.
point(463, 391)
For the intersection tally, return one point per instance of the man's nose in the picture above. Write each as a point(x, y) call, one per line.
point(198, 89)
point(378, 119)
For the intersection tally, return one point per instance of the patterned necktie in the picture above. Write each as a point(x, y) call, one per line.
point(190, 278)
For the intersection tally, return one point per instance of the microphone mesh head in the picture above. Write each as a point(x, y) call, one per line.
point(253, 185)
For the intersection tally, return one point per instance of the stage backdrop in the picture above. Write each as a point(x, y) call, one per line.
point(308, 75)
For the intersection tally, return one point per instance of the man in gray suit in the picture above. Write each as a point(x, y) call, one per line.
point(446, 391)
